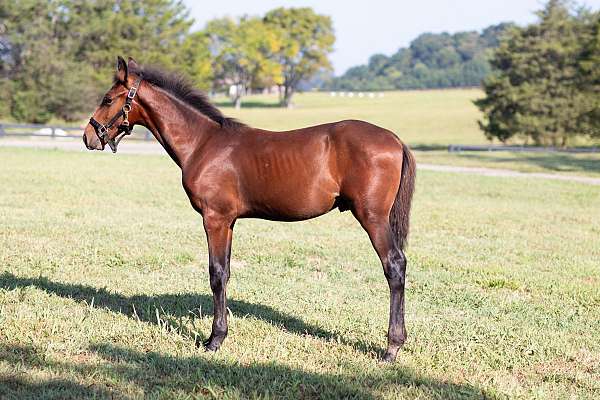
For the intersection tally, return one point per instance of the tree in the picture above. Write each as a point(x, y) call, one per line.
point(590, 77)
point(39, 82)
point(535, 90)
point(58, 54)
point(150, 30)
point(307, 39)
point(244, 52)
point(196, 59)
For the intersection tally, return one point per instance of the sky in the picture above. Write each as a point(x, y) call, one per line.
point(366, 27)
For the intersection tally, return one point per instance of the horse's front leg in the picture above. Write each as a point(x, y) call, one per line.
point(219, 232)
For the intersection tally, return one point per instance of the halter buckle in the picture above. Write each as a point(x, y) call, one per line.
point(132, 92)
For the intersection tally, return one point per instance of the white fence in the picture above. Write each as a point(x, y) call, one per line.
point(55, 131)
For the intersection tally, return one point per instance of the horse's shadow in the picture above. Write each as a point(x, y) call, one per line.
point(169, 309)
point(159, 375)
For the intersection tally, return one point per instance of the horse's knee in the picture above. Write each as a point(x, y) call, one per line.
point(218, 276)
point(395, 270)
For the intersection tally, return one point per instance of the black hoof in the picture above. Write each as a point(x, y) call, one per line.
point(210, 346)
point(391, 353)
point(206, 344)
point(389, 357)
point(212, 343)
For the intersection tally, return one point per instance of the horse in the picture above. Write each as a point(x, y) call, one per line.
point(232, 171)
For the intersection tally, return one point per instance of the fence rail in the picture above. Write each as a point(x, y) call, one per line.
point(458, 148)
point(57, 131)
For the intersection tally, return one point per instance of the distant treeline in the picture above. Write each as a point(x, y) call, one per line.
point(431, 61)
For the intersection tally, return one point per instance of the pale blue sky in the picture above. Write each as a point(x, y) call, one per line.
point(365, 27)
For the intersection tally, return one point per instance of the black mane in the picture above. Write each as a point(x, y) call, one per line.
point(181, 88)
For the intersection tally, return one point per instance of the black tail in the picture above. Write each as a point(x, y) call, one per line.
point(400, 213)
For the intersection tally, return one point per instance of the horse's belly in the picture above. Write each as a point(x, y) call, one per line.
point(292, 201)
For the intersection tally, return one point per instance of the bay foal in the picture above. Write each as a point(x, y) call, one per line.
point(232, 171)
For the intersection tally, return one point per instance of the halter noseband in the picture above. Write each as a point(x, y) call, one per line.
point(124, 128)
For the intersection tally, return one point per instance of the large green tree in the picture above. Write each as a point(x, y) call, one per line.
point(535, 92)
point(149, 30)
point(307, 40)
point(589, 65)
point(243, 52)
point(61, 52)
point(40, 81)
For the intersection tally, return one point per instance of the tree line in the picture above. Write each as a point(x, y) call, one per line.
point(545, 82)
point(431, 61)
point(57, 55)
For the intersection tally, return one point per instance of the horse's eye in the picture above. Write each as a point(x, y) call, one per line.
point(106, 101)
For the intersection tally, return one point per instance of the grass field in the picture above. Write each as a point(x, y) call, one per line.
point(104, 287)
point(433, 117)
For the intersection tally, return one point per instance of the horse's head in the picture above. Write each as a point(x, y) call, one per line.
point(118, 111)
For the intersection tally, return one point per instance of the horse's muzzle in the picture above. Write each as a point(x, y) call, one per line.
point(90, 140)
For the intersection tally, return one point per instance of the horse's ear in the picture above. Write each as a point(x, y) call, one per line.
point(121, 69)
point(132, 65)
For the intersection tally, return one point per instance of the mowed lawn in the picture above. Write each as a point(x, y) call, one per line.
point(104, 287)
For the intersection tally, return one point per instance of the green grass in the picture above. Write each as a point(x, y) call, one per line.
point(105, 287)
point(432, 117)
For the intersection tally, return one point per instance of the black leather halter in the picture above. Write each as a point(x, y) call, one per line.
point(124, 127)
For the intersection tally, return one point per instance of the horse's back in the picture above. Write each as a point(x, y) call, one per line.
point(332, 149)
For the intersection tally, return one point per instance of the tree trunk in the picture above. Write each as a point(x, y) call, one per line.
point(237, 101)
point(287, 97)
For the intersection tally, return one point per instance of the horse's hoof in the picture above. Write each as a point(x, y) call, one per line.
point(390, 354)
point(206, 345)
point(209, 345)
point(388, 357)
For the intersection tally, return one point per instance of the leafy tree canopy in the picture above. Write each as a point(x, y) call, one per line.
point(243, 53)
point(57, 55)
point(306, 40)
point(545, 82)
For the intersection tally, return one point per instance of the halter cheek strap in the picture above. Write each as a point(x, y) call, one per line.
point(124, 127)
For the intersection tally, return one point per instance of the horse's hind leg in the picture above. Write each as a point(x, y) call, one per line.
point(376, 223)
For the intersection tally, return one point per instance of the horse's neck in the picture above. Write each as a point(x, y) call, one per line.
point(179, 129)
